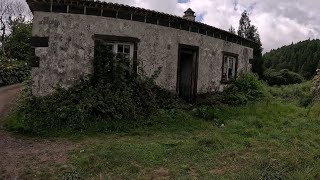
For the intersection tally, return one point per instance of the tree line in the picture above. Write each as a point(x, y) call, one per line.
point(302, 57)
point(285, 65)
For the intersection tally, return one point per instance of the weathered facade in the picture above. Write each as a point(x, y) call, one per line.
point(193, 57)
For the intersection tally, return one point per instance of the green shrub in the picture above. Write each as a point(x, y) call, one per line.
point(283, 77)
point(113, 98)
point(12, 71)
point(246, 88)
point(301, 93)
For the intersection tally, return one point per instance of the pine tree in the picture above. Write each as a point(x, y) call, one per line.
point(250, 32)
point(244, 24)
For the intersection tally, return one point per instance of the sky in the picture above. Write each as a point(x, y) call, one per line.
point(279, 22)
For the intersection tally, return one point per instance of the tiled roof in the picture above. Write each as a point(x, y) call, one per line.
point(121, 11)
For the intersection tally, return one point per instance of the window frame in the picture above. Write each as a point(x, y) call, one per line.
point(235, 64)
point(115, 48)
point(123, 40)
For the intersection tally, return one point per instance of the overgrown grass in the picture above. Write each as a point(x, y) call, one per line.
point(267, 140)
point(298, 93)
point(273, 137)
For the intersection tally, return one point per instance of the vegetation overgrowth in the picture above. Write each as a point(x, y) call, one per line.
point(249, 131)
point(115, 98)
point(13, 71)
point(111, 99)
point(272, 138)
point(15, 54)
point(282, 77)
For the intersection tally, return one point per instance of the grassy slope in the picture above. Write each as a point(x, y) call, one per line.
point(266, 140)
point(272, 139)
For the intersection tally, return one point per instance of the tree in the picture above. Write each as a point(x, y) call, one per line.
point(302, 57)
point(244, 24)
point(17, 43)
point(250, 32)
point(232, 30)
point(9, 9)
point(5, 12)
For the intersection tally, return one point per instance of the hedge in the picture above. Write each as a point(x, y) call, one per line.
point(13, 71)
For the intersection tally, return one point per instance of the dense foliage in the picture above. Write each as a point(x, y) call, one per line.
point(114, 98)
point(246, 88)
point(282, 77)
point(302, 58)
point(14, 60)
point(316, 86)
point(113, 95)
point(12, 71)
point(17, 43)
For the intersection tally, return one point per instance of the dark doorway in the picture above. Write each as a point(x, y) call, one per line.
point(187, 72)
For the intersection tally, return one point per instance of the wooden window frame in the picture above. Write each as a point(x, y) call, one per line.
point(236, 57)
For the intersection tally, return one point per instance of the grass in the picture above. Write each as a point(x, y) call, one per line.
point(267, 140)
point(275, 138)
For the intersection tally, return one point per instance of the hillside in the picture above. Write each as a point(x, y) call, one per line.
point(302, 58)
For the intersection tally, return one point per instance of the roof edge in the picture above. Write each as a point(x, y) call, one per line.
point(63, 6)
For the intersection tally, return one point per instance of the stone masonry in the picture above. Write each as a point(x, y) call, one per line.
point(69, 52)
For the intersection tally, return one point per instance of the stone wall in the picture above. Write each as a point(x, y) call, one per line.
point(71, 50)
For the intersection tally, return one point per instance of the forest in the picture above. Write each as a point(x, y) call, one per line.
point(302, 58)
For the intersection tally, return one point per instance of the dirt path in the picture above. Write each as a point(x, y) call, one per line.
point(26, 158)
point(8, 96)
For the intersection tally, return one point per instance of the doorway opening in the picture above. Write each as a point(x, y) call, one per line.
point(187, 72)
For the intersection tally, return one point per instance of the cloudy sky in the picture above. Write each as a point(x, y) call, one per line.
point(280, 22)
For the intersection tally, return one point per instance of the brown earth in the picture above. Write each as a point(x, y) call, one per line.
point(8, 96)
point(27, 158)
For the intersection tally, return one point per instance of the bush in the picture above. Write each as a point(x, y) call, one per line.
point(316, 86)
point(247, 87)
point(244, 89)
point(301, 93)
point(12, 71)
point(113, 98)
point(283, 77)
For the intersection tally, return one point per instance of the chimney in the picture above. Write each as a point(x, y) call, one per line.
point(189, 14)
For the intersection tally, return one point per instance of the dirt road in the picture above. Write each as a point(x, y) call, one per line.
point(8, 96)
point(22, 157)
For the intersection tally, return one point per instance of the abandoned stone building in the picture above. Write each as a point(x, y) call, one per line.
point(194, 57)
